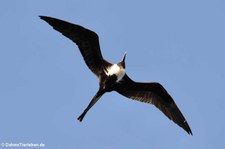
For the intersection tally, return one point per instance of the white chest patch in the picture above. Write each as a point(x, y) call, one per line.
point(116, 70)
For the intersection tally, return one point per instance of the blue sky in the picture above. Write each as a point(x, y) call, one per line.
point(45, 84)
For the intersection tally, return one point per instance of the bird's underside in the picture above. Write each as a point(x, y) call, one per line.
point(112, 77)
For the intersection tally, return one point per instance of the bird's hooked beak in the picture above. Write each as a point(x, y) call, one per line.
point(123, 60)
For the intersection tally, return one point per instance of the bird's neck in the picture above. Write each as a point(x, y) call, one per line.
point(115, 70)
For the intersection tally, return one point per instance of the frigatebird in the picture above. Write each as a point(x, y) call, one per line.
point(112, 77)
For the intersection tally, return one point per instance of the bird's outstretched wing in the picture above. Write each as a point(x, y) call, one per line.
point(86, 40)
point(155, 94)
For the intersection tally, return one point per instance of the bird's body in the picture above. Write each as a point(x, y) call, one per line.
point(112, 77)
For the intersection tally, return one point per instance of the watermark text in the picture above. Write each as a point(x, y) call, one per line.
point(10, 144)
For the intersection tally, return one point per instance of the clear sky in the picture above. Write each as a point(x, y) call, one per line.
point(45, 84)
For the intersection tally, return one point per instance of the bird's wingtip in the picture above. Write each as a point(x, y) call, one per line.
point(188, 130)
point(42, 17)
point(190, 133)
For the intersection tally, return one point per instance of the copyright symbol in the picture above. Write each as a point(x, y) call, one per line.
point(2, 144)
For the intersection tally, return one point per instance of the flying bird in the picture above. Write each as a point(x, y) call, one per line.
point(113, 77)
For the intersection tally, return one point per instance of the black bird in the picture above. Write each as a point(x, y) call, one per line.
point(112, 77)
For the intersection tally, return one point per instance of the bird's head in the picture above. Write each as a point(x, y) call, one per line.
point(122, 62)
